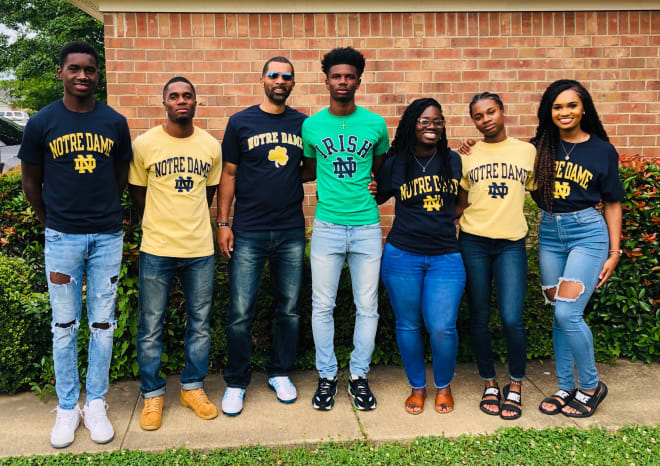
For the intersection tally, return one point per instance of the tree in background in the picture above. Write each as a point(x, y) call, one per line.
point(43, 27)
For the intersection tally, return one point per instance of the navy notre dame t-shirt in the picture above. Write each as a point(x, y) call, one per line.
point(267, 149)
point(78, 151)
point(590, 174)
point(425, 206)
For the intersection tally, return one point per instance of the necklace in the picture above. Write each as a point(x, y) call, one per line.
point(427, 163)
point(568, 153)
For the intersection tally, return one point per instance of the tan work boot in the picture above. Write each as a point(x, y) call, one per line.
point(199, 402)
point(152, 413)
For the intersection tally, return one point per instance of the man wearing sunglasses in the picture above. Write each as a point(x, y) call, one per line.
point(262, 151)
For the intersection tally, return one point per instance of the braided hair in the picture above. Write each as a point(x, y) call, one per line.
point(546, 139)
point(405, 139)
point(484, 96)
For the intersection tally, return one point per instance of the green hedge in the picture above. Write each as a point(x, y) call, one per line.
point(624, 319)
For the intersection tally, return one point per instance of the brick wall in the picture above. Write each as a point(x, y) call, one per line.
point(448, 56)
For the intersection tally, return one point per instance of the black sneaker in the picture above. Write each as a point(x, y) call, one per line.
point(363, 399)
point(324, 398)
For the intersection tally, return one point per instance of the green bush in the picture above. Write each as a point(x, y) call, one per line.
point(624, 320)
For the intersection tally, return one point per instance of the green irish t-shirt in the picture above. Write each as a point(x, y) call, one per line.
point(344, 147)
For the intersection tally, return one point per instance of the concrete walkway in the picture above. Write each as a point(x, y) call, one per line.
point(25, 422)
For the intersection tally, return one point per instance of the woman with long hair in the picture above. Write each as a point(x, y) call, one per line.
point(576, 168)
point(492, 242)
point(422, 268)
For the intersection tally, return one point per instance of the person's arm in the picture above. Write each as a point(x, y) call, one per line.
point(465, 147)
point(121, 174)
point(308, 169)
point(226, 196)
point(210, 192)
point(33, 179)
point(613, 217)
point(376, 164)
point(461, 201)
point(139, 196)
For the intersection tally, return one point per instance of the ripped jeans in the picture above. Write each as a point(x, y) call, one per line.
point(69, 257)
point(572, 248)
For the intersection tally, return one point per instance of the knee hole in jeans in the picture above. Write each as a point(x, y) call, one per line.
point(549, 294)
point(58, 278)
point(569, 290)
point(65, 325)
point(114, 279)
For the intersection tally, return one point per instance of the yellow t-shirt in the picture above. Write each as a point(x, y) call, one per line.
point(176, 172)
point(496, 176)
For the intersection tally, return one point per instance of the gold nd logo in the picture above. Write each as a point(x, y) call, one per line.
point(562, 190)
point(83, 164)
point(279, 156)
point(432, 202)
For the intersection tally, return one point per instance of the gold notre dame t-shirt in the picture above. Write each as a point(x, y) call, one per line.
point(176, 172)
point(496, 176)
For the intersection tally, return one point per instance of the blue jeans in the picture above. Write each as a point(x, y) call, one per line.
point(156, 276)
point(68, 258)
point(331, 245)
point(505, 262)
point(573, 247)
point(425, 292)
point(285, 251)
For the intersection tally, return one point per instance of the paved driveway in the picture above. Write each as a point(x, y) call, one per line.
point(9, 156)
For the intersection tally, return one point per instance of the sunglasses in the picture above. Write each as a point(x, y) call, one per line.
point(424, 122)
point(275, 75)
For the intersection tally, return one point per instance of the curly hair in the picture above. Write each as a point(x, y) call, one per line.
point(405, 139)
point(343, 56)
point(546, 139)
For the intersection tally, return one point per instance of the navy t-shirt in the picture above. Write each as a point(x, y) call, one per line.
point(268, 150)
point(425, 206)
point(590, 174)
point(78, 151)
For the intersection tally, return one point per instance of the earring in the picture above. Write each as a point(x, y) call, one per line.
point(584, 113)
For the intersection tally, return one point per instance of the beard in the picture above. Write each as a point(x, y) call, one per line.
point(277, 98)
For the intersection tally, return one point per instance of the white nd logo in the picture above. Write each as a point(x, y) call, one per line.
point(83, 164)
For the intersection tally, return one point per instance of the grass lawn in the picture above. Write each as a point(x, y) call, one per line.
point(632, 445)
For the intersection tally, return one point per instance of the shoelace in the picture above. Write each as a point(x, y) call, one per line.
point(325, 387)
point(278, 382)
point(361, 387)
point(64, 417)
point(200, 396)
point(153, 405)
point(234, 393)
point(97, 413)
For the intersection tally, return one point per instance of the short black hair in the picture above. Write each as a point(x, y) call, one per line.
point(278, 59)
point(486, 95)
point(343, 56)
point(77, 46)
point(178, 79)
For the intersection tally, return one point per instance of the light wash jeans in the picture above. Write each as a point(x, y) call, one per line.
point(331, 245)
point(573, 247)
point(425, 292)
point(98, 257)
point(156, 276)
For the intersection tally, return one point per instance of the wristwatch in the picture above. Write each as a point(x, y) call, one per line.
point(618, 252)
point(223, 224)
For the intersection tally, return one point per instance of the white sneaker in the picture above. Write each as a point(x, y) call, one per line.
point(232, 401)
point(66, 423)
point(284, 388)
point(96, 421)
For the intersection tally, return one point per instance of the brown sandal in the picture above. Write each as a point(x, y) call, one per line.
point(416, 398)
point(443, 400)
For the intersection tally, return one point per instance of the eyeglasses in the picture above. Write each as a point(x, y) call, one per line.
point(424, 122)
point(275, 75)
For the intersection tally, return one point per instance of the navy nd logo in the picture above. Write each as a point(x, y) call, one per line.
point(85, 164)
point(498, 190)
point(562, 189)
point(181, 184)
point(343, 168)
point(279, 156)
point(433, 203)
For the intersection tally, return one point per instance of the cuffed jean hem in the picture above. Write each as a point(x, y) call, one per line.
point(154, 393)
point(445, 386)
point(192, 385)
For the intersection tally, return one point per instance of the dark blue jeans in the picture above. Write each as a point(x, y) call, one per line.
point(488, 259)
point(285, 251)
point(156, 276)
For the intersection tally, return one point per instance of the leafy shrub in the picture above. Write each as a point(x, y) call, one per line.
point(625, 318)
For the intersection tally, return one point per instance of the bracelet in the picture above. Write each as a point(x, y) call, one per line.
point(618, 252)
point(223, 224)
